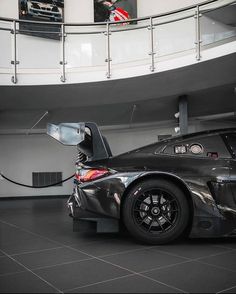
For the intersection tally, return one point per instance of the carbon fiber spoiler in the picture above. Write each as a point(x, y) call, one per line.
point(85, 135)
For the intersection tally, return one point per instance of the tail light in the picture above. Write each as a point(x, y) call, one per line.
point(86, 175)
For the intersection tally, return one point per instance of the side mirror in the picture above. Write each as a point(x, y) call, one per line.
point(67, 133)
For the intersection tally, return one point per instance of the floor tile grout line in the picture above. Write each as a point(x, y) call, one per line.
point(64, 245)
point(125, 251)
point(165, 266)
point(12, 273)
point(99, 256)
point(222, 291)
point(159, 282)
point(32, 233)
point(131, 271)
point(61, 264)
point(86, 259)
point(39, 268)
point(123, 277)
point(46, 238)
point(115, 254)
point(68, 246)
point(195, 259)
point(91, 258)
point(98, 283)
point(134, 250)
point(82, 251)
point(91, 242)
point(183, 263)
point(36, 251)
point(157, 268)
point(217, 266)
point(42, 236)
point(172, 254)
point(190, 260)
point(226, 247)
point(42, 279)
point(213, 255)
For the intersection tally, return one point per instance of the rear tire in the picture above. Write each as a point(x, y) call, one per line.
point(156, 211)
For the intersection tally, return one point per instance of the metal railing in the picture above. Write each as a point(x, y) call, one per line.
point(109, 28)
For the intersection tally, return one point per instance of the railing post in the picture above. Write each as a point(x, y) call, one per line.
point(152, 53)
point(14, 62)
point(63, 62)
point(108, 59)
point(198, 33)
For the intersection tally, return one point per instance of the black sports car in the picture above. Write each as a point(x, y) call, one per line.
point(182, 185)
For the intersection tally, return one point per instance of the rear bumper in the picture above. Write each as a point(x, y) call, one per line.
point(102, 197)
point(87, 221)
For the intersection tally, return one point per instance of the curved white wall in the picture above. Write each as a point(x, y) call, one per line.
point(150, 7)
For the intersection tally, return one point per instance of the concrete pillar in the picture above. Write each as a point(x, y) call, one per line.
point(183, 114)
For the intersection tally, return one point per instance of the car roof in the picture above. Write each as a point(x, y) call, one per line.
point(203, 133)
point(180, 138)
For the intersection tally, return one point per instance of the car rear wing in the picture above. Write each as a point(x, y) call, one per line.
point(85, 135)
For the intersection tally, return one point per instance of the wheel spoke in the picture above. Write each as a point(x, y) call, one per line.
point(167, 219)
point(168, 202)
point(150, 226)
point(150, 196)
point(142, 201)
point(159, 223)
point(169, 211)
point(151, 199)
point(143, 220)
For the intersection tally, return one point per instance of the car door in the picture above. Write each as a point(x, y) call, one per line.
point(230, 140)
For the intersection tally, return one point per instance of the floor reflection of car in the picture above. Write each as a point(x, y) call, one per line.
point(185, 185)
point(48, 9)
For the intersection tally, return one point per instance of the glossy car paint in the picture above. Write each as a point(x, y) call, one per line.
point(208, 180)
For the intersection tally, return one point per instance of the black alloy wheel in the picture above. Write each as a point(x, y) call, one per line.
point(156, 211)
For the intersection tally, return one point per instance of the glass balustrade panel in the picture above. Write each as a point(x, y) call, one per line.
point(218, 25)
point(6, 45)
point(174, 37)
point(130, 45)
point(39, 47)
point(85, 49)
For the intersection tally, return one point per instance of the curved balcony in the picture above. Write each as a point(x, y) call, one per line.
point(92, 52)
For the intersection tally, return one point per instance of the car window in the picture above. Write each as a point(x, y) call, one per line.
point(210, 146)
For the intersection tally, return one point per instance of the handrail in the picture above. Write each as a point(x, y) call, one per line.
point(107, 28)
point(113, 22)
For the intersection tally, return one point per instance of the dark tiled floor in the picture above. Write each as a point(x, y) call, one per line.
point(39, 253)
